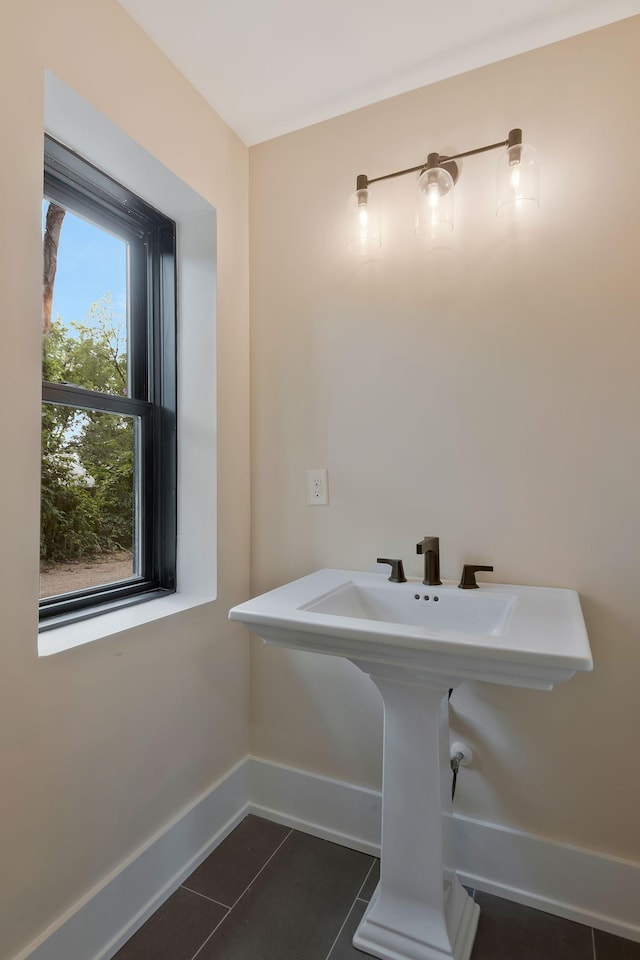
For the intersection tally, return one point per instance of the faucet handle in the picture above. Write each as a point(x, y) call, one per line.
point(469, 570)
point(397, 570)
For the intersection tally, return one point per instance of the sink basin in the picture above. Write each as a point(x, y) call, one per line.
point(416, 643)
point(435, 609)
point(523, 636)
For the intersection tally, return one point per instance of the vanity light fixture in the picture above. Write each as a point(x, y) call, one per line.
point(517, 193)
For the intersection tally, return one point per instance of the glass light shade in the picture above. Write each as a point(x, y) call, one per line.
point(517, 185)
point(434, 203)
point(364, 233)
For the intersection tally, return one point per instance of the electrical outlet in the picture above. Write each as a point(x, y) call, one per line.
point(317, 488)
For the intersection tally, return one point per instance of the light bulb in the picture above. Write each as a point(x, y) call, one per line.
point(363, 219)
point(363, 222)
point(434, 203)
point(517, 182)
point(515, 185)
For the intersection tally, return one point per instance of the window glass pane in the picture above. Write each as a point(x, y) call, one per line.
point(84, 303)
point(88, 503)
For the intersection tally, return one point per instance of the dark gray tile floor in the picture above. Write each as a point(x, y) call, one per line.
point(271, 893)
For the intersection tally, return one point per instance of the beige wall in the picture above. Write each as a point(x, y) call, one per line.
point(100, 746)
point(487, 392)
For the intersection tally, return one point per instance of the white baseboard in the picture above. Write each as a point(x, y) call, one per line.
point(582, 885)
point(331, 809)
point(97, 926)
point(567, 881)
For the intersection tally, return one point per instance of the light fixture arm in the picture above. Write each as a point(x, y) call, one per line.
point(514, 139)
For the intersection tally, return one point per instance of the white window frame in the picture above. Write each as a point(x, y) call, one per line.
point(74, 122)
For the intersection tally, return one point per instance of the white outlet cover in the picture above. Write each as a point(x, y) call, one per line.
point(317, 488)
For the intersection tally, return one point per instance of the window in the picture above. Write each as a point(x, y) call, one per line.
point(108, 499)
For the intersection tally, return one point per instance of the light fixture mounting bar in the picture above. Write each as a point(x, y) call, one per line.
point(472, 153)
point(514, 139)
point(398, 173)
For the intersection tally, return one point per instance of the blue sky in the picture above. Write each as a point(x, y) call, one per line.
point(91, 263)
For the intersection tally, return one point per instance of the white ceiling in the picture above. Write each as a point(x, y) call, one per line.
point(272, 66)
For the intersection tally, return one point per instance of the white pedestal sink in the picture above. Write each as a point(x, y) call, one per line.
point(416, 643)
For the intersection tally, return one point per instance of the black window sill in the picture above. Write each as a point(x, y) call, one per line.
point(53, 619)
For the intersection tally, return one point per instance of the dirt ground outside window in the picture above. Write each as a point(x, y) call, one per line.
point(80, 574)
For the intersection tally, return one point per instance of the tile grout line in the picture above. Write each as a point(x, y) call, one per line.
point(264, 865)
point(363, 884)
point(236, 902)
point(350, 910)
point(205, 897)
point(203, 944)
point(593, 943)
point(344, 923)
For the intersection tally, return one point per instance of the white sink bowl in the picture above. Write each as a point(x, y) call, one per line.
point(436, 608)
point(523, 636)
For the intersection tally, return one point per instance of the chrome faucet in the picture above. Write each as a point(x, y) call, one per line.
point(430, 547)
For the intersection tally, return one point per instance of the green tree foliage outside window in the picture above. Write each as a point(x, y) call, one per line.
point(87, 499)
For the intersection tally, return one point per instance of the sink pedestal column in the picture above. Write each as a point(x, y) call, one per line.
point(420, 910)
